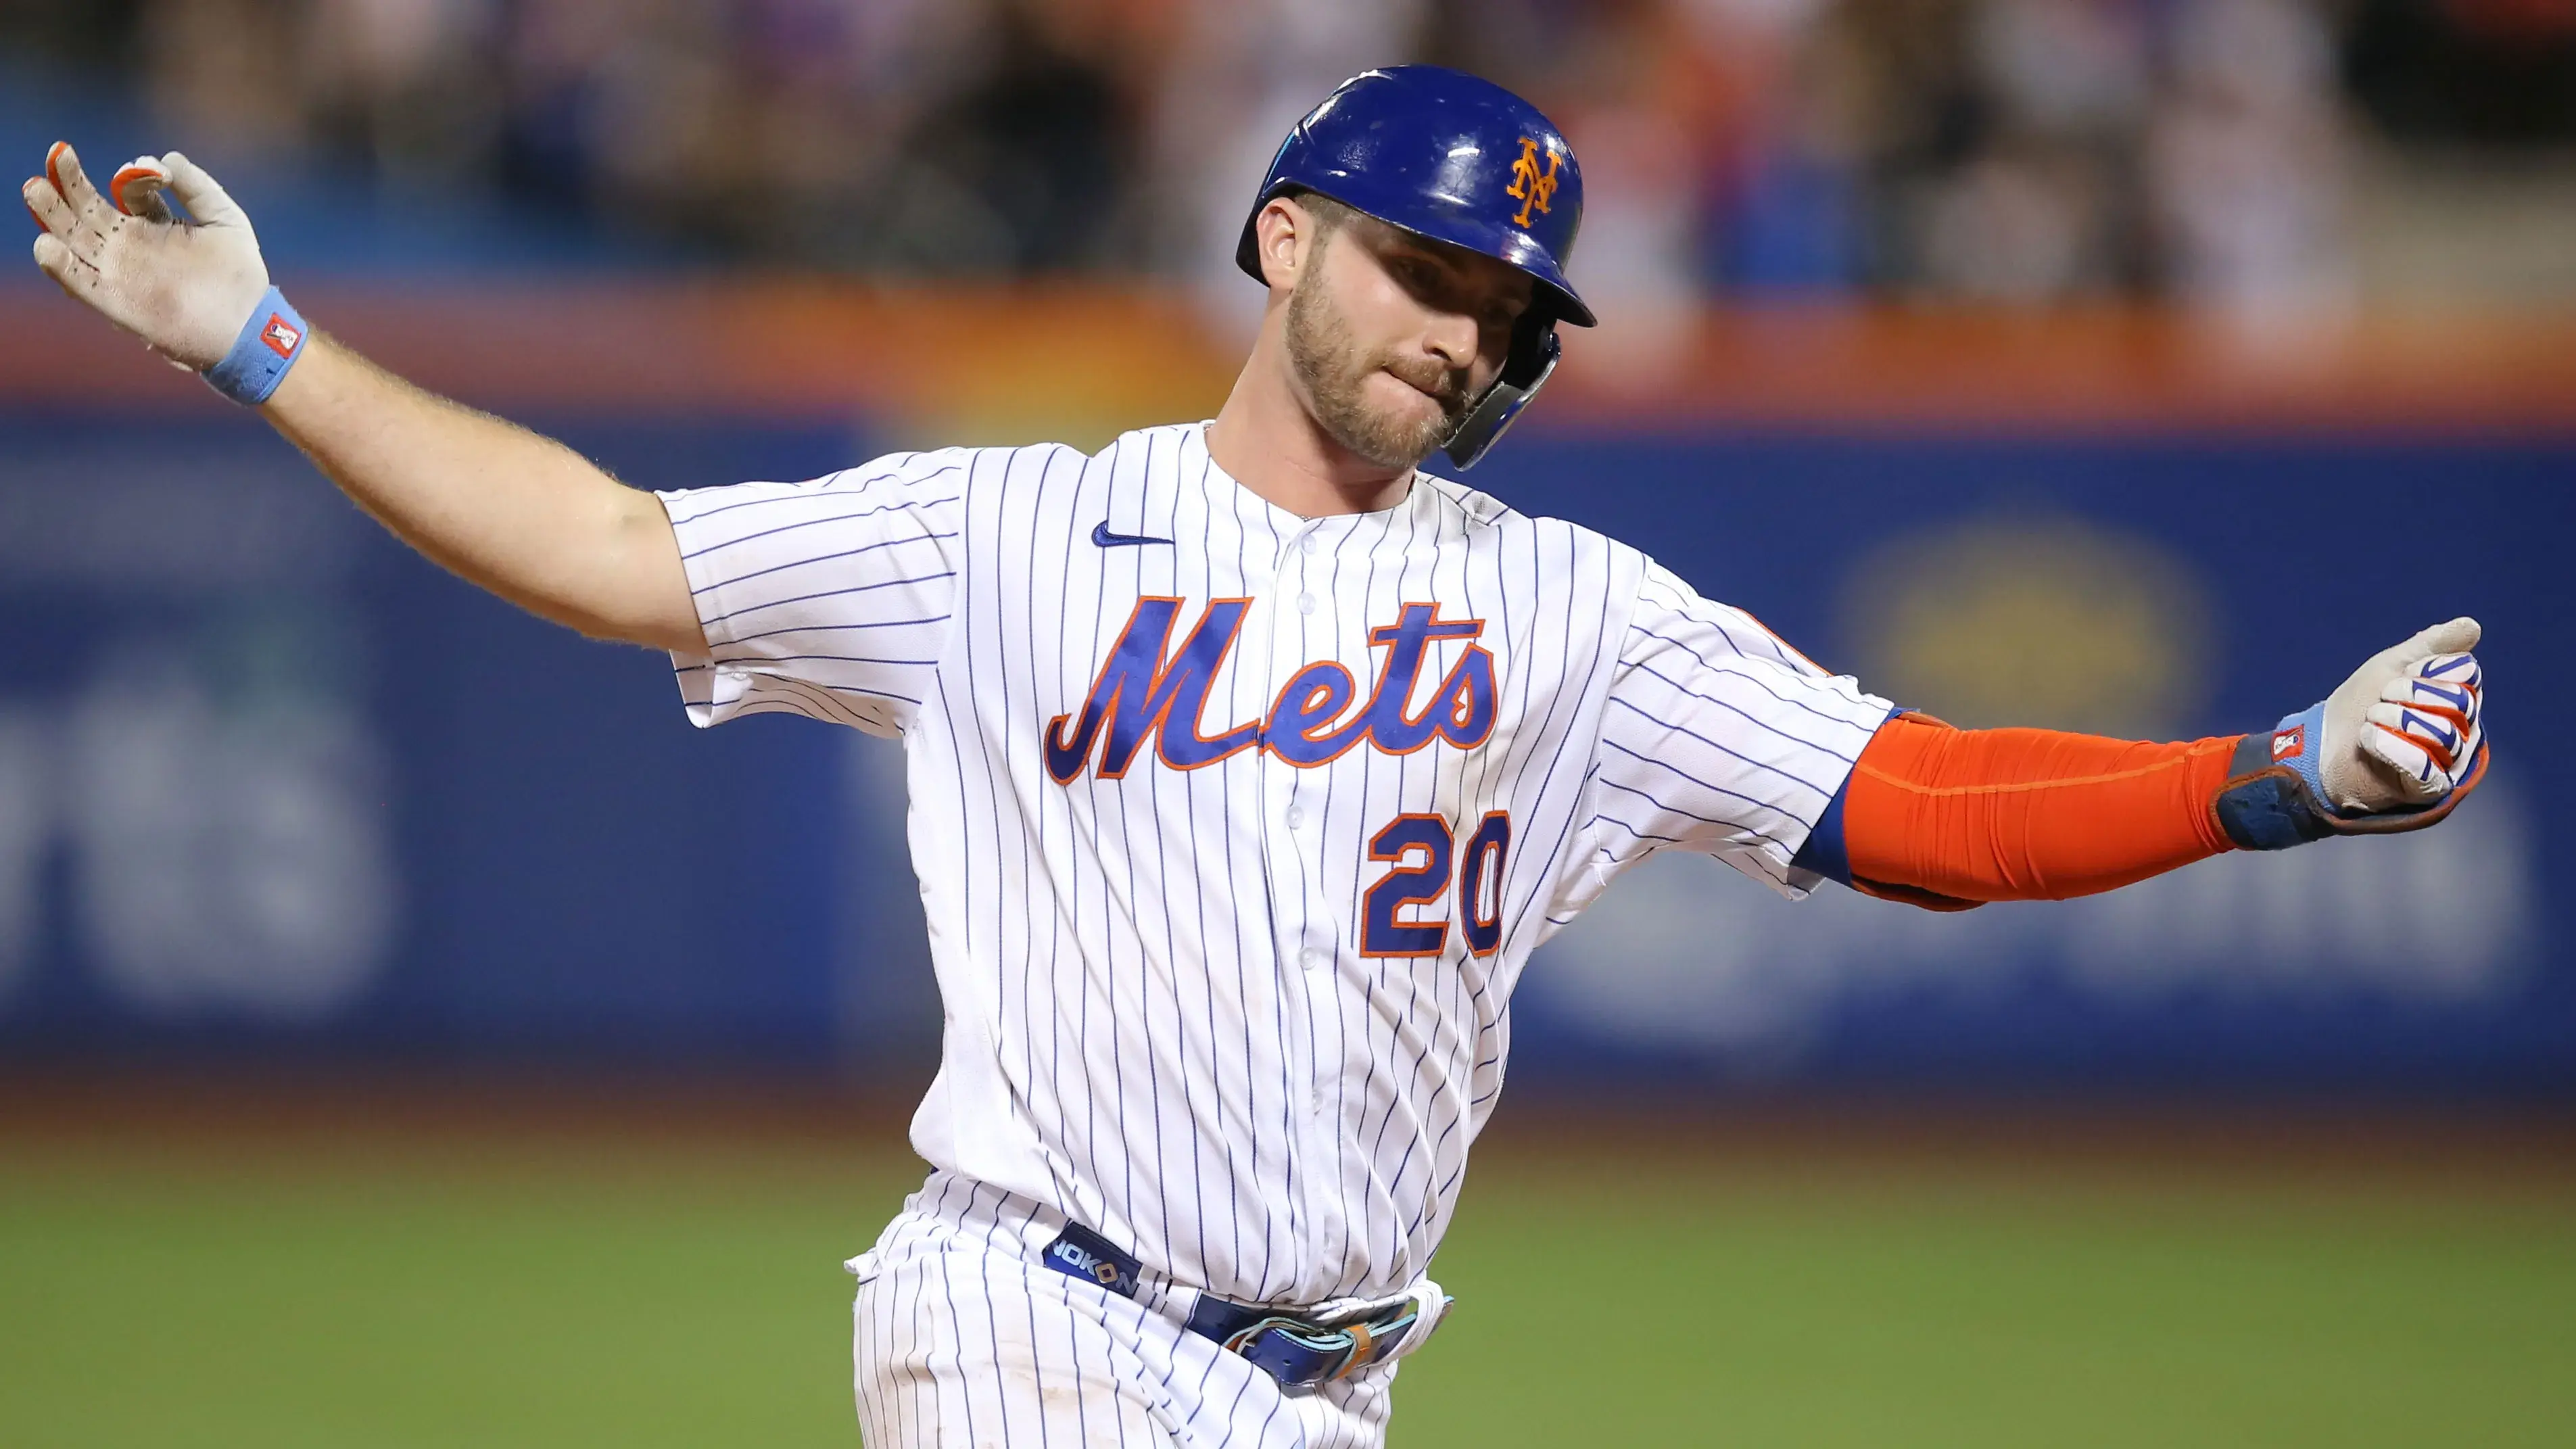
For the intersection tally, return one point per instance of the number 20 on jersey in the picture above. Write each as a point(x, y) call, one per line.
point(1407, 912)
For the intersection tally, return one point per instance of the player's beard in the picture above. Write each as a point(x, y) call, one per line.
point(1336, 371)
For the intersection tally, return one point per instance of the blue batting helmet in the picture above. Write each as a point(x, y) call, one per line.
point(1448, 156)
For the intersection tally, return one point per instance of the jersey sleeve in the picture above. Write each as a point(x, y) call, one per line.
point(1716, 738)
point(829, 598)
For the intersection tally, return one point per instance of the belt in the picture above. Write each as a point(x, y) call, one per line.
point(1300, 1350)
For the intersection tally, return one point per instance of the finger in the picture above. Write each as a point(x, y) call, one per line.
point(2407, 763)
point(84, 234)
point(2458, 636)
point(47, 206)
point(2463, 701)
point(137, 189)
point(2442, 736)
point(2460, 706)
point(69, 272)
point(2438, 738)
point(205, 199)
point(2432, 693)
point(2452, 746)
point(63, 168)
point(2462, 668)
point(2459, 670)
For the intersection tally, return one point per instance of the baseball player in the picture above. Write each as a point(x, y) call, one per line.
point(1248, 763)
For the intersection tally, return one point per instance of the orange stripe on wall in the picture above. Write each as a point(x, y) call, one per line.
point(996, 363)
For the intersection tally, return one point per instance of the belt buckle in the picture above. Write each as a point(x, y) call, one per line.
point(1305, 1352)
point(1295, 1352)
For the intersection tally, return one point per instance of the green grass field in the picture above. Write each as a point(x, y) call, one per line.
point(590, 1290)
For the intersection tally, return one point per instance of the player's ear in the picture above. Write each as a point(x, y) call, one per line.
point(1283, 237)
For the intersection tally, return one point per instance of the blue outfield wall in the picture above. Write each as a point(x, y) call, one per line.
point(271, 784)
point(271, 787)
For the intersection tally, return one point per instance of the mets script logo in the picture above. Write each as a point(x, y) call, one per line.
point(1531, 186)
point(1147, 691)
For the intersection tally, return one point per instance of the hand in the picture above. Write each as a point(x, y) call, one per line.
point(2405, 729)
point(2396, 747)
point(186, 287)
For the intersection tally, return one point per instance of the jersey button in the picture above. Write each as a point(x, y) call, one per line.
point(1311, 959)
point(1305, 603)
point(1296, 816)
point(1307, 544)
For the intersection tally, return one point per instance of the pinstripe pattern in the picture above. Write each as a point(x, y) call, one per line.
point(960, 1337)
point(1159, 1019)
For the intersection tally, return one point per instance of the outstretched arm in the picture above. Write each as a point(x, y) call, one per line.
point(1951, 818)
point(516, 513)
point(519, 514)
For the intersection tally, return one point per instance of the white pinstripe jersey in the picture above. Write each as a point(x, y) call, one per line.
point(1235, 828)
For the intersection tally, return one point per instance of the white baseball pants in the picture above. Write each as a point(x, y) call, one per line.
point(962, 1339)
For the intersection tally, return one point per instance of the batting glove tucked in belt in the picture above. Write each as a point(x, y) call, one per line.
point(193, 288)
point(2396, 747)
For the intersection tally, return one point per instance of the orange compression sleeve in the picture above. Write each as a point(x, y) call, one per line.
point(1965, 816)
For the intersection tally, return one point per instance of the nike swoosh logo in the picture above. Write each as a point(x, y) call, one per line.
point(1101, 535)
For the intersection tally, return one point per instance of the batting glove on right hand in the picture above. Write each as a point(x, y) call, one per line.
point(185, 286)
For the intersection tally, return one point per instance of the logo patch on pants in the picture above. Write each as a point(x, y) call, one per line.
point(1078, 1252)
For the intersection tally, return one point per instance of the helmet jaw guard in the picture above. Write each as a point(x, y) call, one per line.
point(1454, 159)
point(1526, 369)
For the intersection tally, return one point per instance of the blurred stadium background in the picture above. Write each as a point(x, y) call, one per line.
point(412, 1033)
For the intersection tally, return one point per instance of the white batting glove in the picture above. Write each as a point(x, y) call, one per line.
point(187, 287)
point(2395, 747)
point(2405, 729)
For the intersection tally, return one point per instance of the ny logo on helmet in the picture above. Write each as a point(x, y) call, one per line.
point(1531, 186)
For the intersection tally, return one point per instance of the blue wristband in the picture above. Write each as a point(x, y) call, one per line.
point(2299, 742)
point(2257, 807)
point(268, 345)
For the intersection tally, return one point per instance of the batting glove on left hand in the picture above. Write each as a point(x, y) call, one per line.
point(186, 287)
point(2407, 729)
point(2395, 747)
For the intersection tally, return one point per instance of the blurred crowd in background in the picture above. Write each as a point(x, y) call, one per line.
point(1993, 150)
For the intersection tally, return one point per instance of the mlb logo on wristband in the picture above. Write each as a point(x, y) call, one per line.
point(2290, 743)
point(270, 340)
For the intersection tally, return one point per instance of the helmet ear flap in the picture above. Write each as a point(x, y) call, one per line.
point(1526, 368)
